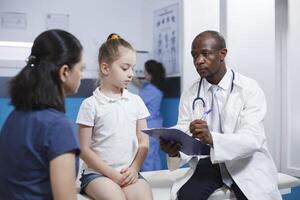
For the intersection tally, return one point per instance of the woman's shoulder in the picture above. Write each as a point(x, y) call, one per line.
point(48, 114)
point(151, 90)
point(52, 116)
point(149, 85)
point(43, 118)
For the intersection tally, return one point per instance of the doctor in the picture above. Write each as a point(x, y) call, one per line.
point(235, 153)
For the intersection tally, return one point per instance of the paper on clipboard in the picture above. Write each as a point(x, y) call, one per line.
point(190, 145)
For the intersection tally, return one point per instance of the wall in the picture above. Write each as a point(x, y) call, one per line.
point(5, 109)
point(197, 16)
point(291, 93)
point(263, 42)
point(90, 21)
point(251, 51)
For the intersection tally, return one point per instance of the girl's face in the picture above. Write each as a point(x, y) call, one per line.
point(120, 71)
point(73, 78)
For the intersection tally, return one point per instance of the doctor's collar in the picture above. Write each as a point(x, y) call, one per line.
point(224, 84)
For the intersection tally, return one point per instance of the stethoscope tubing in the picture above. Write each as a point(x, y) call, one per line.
point(199, 88)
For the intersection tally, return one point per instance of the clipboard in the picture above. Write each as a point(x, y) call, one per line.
point(189, 145)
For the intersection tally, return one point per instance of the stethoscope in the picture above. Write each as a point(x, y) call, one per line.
point(198, 98)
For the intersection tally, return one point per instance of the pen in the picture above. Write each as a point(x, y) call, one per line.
point(205, 114)
point(202, 118)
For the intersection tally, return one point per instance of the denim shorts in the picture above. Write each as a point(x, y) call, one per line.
point(85, 179)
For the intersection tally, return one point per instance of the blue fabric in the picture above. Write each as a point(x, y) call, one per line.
point(85, 179)
point(28, 142)
point(152, 98)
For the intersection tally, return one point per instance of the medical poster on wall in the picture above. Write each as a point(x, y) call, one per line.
point(166, 39)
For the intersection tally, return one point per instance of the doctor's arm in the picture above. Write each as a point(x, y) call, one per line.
point(248, 136)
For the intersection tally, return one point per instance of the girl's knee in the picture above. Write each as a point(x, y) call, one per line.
point(103, 188)
point(138, 190)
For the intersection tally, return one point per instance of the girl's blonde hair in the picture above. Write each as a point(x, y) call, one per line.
point(109, 50)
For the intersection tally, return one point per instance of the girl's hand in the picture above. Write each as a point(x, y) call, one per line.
point(117, 177)
point(130, 176)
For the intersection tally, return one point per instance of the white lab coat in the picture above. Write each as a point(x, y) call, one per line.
point(242, 147)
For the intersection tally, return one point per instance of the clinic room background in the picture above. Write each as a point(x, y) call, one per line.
point(262, 39)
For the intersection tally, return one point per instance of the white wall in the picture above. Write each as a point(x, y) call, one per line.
point(251, 51)
point(291, 92)
point(197, 16)
point(91, 21)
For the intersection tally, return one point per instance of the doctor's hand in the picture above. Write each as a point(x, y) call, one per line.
point(199, 129)
point(172, 148)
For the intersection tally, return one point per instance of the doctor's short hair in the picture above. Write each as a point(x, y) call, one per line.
point(221, 44)
point(38, 85)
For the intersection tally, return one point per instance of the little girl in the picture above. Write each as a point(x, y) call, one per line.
point(113, 147)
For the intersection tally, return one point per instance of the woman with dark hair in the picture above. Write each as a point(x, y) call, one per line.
point(38, 146)
point(151, 91)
